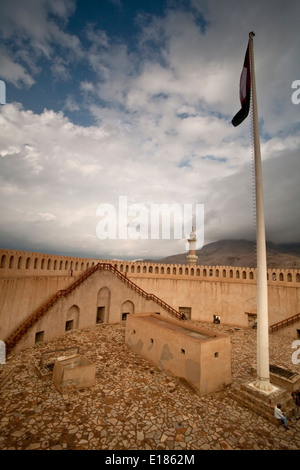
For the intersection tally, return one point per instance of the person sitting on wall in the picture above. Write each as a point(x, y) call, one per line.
point(280, 416)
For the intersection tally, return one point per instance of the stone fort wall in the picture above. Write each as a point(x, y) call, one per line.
point(14, 263)
point(28, 279)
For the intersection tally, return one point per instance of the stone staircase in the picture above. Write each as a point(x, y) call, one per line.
point(13, 339)
point(284, 323)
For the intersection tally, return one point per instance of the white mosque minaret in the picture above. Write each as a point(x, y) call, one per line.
point(192, 257)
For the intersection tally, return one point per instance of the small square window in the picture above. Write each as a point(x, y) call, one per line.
point(182, 351)
point(216, 354)
point(69, 325)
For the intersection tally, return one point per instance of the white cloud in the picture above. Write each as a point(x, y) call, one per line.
point(13, 72)
point(30, 26)
point(162, 132)
point(47, 216)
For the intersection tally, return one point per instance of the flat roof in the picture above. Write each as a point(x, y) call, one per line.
point(172, 326)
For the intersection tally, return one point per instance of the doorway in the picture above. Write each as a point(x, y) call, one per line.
point(100, 315)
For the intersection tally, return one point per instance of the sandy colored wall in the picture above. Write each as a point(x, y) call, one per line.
point(81, 306)
point(200, 358)
point(232, 300)
point(20, 297)
point(28, 280)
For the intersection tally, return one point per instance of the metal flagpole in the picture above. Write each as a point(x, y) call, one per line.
point(263, 367)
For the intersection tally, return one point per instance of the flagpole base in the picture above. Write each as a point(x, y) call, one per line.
point(262, 402)
point(263, 384)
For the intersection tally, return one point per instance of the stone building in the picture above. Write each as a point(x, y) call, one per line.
point(44, 296)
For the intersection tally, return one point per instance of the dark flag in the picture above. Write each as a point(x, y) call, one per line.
point(245, 92)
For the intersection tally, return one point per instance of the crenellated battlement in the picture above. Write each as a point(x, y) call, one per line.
point(15, 263)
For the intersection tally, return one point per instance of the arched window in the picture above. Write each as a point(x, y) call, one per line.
point(3, 261)
point(11, 262)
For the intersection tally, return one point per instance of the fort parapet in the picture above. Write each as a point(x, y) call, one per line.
point(14, 263)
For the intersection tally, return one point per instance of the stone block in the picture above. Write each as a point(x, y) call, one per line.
point(73, 371)
point(199, 358)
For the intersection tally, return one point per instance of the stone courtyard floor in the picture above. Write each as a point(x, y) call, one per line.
point(134, 406)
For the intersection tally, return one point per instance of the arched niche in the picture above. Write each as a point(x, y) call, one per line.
point(103, 305)
point(126, 309)
point(72, 318)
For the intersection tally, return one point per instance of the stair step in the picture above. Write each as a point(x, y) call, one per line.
point(263, 404)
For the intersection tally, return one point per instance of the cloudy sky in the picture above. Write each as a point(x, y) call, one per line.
point(128, 100)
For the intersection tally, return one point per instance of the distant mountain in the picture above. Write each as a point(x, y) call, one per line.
point(241, 253)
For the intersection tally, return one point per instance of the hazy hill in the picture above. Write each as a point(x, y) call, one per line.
point(241, 253)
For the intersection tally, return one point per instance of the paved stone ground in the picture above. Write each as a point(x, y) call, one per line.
point(134, 406)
